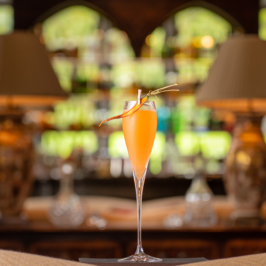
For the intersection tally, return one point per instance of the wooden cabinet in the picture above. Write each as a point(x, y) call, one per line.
point(178, 248)
point(114, 242)
point(240, 247)
point(15, 245)
point(73, 250)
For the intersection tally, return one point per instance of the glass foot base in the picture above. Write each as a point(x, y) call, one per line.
point(142, 257)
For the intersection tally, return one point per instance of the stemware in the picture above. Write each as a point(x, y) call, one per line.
point(139, 131)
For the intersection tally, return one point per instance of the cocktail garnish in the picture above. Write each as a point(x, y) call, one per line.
point(142, 101)
point(129, 112)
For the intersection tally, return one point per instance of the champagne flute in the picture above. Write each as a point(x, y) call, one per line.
point(139, 131)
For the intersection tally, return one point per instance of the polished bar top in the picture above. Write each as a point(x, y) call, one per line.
point(120, 214)
point(165, 262)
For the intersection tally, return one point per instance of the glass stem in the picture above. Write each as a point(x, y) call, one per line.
point(139, 184)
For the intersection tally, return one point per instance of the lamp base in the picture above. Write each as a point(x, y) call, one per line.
point(16, 160)
point(245, 177)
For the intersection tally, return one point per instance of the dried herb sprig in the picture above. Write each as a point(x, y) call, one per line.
point(142, 101)
point(163, 89)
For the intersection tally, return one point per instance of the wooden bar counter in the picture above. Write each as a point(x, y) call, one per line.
point(118, 239)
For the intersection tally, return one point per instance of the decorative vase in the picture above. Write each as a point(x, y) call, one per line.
point(66, 209)
point(199, 210)
point(245, 177)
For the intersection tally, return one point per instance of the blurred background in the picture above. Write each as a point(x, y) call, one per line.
point(99, 68)
point(102, 52)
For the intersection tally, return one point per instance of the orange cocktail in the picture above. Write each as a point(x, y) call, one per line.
point(139, 131)
point(139, 127)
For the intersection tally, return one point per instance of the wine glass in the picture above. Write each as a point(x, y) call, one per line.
point(139, 131)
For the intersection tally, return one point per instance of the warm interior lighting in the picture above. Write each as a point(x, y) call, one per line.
point(207, 42)
point(7, 138)
point(21, 100)
point(148, 40)
point(236, 105)
point(196, 41)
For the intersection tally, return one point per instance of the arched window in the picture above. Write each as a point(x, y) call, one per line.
point(187, 42)
point(85, 48)
point(90, 57)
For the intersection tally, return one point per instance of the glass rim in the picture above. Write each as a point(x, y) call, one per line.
point(147, 104)
point(137, 101)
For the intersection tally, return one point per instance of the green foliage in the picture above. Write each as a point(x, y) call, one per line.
point(119, 42)
point(76, 111)
point(117, 146)
point(198, 21)
point(157, 41)
point(64, 71)
point(218, 139)
point(157, 153)
point(193, 57)
point(191, 143)
point(6, 19)
point(150, 73)
point(62, 143)
point(70, 27)
point(262, 23)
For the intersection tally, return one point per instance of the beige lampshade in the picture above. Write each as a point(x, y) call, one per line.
point(237, 79)
point(26, 75)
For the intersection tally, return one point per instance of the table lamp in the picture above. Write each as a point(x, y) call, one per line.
point(237, 82)
point(26, 79)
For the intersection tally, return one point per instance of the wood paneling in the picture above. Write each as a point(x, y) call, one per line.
point(241, 247)
point(73, 250)
point(179, 248)
point(139, 17)
point(12, 245)
point(211, 243)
